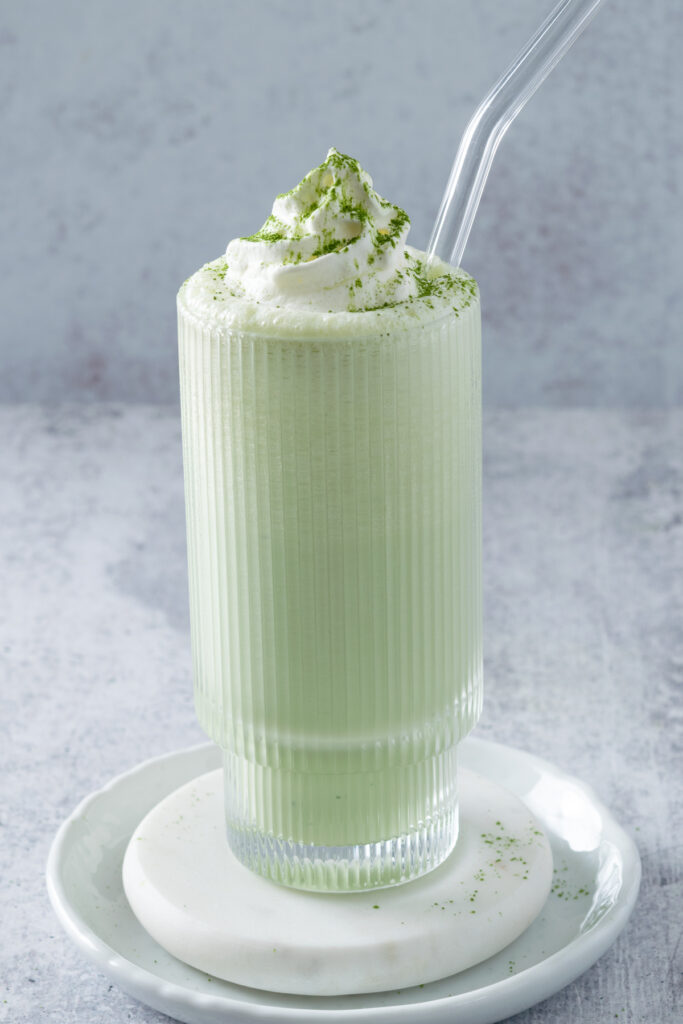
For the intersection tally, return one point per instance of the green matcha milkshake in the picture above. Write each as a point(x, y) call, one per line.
point(331, 411)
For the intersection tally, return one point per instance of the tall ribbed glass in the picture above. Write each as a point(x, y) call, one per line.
point(333, 496)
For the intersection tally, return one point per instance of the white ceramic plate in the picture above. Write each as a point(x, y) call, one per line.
point(597, 874)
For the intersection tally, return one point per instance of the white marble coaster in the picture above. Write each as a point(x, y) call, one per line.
point(199, 903)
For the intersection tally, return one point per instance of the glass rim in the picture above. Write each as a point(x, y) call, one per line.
point(321, 331)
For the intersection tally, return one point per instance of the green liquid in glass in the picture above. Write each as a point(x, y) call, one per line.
point(333, 497)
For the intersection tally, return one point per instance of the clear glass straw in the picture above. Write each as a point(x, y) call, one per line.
point(493, 117)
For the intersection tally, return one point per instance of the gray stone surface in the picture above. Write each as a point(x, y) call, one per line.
point(584, 659)
point(139, 136)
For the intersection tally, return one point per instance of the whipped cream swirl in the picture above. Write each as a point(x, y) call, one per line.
point(331, 244)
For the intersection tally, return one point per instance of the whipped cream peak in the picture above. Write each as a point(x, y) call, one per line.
point(330, 244)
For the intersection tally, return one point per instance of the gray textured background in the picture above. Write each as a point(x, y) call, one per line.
point(139, 136)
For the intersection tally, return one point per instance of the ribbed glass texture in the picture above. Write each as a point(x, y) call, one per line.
point(333, 498)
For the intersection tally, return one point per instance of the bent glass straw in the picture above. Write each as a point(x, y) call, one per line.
point(493, 117)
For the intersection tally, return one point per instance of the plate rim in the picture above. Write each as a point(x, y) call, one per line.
point(506, 996)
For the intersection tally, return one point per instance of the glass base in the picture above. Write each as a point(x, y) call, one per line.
point(399, 822)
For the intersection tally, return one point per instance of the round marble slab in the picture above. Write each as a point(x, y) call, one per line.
point(203, 906)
